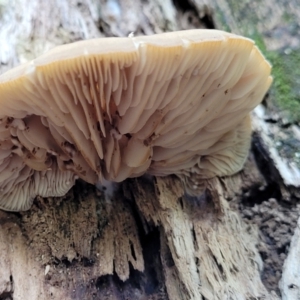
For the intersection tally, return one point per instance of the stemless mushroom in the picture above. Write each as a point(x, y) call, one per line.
point(112, 108)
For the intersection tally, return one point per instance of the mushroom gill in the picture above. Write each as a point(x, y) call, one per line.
point(113, 108)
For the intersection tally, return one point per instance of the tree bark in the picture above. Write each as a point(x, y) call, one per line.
point(150, 241)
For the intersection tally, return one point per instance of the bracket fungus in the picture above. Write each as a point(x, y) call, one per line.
point(113, 108)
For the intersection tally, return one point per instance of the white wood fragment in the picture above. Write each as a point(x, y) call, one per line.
point(287, 169)
point(290, 281)
point(47, 269)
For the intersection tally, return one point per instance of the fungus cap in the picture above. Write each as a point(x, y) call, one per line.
point(113, 108)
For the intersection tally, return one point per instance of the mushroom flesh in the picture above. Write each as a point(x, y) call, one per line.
point(112, 108)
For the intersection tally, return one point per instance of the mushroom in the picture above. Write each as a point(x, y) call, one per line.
point(107, 109)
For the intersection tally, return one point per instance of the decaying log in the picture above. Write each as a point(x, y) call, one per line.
point(289, 284)
point(67, 247)
point(281, 169)
point(150, 241)
point(277, 142)
point(208, 243)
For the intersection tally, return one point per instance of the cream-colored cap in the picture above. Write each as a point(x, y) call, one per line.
point(113, 108)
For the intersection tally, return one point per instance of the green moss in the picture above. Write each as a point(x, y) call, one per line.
point(287, 17)
point(284, 92)
point(284, 72)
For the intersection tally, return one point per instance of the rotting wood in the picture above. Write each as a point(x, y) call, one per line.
point(208, 243)
point(278, 137)
point(80, 246)
point(205, 249)
point(289, 284)
point(287, 170)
